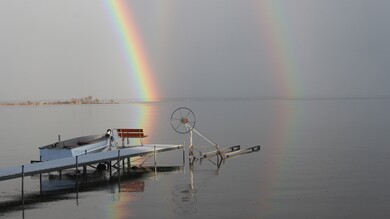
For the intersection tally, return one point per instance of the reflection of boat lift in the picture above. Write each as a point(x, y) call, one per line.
point(183, 121)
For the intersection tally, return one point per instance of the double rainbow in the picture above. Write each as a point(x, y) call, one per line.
point(273, 27)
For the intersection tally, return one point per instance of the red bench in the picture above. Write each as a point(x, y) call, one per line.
point(131, 133)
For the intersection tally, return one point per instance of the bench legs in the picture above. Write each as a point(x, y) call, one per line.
point(128, 141)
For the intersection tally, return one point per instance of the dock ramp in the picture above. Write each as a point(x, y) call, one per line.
point(83, 160)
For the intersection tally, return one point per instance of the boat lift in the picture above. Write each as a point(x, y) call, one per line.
point(183, 121)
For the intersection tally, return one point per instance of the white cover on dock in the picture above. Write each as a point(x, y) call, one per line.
point(66, 163)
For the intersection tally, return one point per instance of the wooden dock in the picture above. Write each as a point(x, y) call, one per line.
point(84, 160)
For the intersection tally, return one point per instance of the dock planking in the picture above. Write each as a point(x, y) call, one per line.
point(82, 160)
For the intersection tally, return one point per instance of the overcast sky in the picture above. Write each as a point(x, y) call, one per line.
point(197, 48)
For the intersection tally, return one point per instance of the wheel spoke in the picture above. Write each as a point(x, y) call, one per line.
point(176, 119)
point(175, 123)
point(189, 112)
point(181, 114)
point(177, 127)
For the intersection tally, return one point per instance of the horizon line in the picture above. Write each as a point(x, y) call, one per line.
point(194, 98)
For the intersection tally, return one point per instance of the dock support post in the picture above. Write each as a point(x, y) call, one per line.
point(40, 180)
point(119, 170)
point(128, 163)
point(155, 163)
point(77, 165)
point(118, 162)
point(77, 170)
point(184, 153)
point(77, 179)
point(110, 168)
point(40, 185)
point(23, 186)
point(85, 167)
point(191, 148)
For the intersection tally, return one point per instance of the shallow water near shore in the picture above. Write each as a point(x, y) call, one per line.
point(326, 158)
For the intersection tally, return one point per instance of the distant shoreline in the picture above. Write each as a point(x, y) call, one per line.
point(73, 101)
point(91, 100)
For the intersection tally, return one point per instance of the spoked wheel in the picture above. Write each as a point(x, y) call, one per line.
point(183, 120)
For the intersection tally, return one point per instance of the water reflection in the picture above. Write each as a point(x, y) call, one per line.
point(184, 197)
point(318, 155)
point(122, 185)
point(67, 186)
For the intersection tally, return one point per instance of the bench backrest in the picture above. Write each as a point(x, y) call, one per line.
point(131, 133)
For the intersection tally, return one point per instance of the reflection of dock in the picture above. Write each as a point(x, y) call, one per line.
point(100, 159)
point(83, 160)
point(55, 187)
point(129, 180)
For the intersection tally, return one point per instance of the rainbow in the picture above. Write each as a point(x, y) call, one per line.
point(119, 206)
point(140, 115)
point(143, 84)
point(273, 25)
point(274, 29)
point(142, 80)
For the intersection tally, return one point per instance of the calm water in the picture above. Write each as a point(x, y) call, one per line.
point(319, 159)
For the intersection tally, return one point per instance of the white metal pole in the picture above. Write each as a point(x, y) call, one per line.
point(191, 147)
point(23, 185)
point(184, 153)
point(207, 139)
point(155, 156)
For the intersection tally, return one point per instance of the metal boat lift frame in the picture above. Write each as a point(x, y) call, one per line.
point(183, 121)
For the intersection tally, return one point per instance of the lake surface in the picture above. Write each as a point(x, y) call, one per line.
point(326, 158)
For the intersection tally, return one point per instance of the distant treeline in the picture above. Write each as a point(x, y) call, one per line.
point(84, 100)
